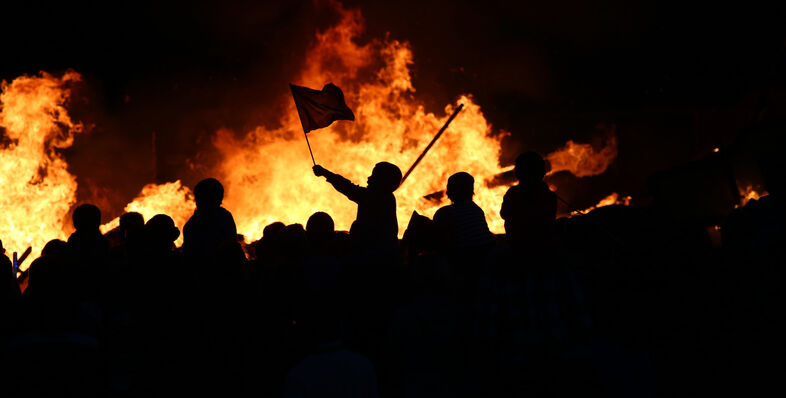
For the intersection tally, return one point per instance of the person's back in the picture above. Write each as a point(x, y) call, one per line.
point(211, 225)
point(462, 224)
point(529, 208)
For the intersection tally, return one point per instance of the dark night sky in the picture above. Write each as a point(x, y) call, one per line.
point(676, 79)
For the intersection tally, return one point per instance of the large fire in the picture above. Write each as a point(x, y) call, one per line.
point(266, 172)
point(38, 191)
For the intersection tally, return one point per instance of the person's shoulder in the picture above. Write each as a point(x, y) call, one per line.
point(443, 211)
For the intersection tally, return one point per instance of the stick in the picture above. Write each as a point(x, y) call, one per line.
point(436, 137)
point(309, 148)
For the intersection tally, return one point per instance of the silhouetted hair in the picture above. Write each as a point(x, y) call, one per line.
point(530, 166)
point(389, 175)
point(55, 247)
point(209, 193)
point(131, 223)
point(320, 228)
point(161, 229)
point(272, 229)
point(461, 187)
point(86, 217)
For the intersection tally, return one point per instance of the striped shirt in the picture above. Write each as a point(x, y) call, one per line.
point(463, 225)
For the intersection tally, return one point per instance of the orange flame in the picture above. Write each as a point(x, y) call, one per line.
point(172, 199)
point(38, 191)
point(613, 199)
point(750, 193)
point(267, 173)
point(583, 160)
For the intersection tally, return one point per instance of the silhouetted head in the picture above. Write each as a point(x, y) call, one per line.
point(461, 187)
point(49, 275)
point(292, 240)
point(320, 228)
point(385, 176)
point(161, 231)
point(208, 193)
point(131, 224)
point(86, 217)
point(530, 167)
point(271, 230)
point(2, 249)
point(55, 248)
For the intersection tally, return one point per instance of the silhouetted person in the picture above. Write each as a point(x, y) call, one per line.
point(321, 267)
point(210, 226)
point(462, 224)
point(376, 226)
point(320, 231)
point(131, 238)
point(529, 208)
point(87, 242)
point(159, 299)
point(90, 250)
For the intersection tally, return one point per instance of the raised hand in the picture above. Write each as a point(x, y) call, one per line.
point(319, 171)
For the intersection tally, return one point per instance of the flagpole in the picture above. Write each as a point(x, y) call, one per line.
point(436, 137)
point(309, 148)
point(300, 116)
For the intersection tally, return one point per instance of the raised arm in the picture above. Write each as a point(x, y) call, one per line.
point(341, 184)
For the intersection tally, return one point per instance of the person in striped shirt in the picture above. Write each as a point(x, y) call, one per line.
point(462, 225)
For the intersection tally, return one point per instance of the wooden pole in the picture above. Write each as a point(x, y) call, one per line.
point(436, 137)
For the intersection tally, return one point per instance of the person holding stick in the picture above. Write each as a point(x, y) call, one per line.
point(376, 225)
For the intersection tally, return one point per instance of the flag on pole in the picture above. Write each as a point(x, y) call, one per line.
point(318, 109)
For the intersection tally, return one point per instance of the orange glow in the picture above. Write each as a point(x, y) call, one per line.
point(750, 193)
point(266, 171)
point(613, 199)
point(583, 160)
point(37, 189)
point(172, 199)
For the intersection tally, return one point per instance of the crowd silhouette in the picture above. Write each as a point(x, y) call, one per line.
point(624, 301)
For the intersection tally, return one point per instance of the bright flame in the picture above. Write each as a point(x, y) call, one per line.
point(172, 199)
point(267, 173)
point(613, 199)
point(37, 189)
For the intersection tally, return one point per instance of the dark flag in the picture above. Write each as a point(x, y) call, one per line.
point(318, 109)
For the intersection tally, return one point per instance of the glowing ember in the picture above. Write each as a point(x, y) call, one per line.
point(38, 190)
point(171, 199)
